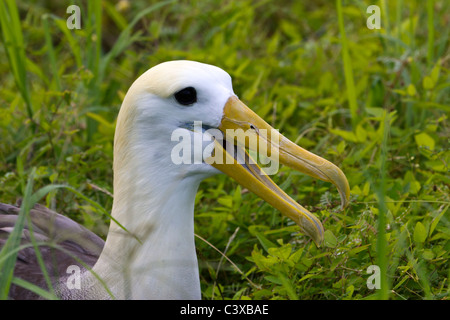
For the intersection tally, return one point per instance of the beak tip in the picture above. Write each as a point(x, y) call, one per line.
point(318, 240)
point(312, 227)
point(345, 198)
point(317, 243)
point(344, 202)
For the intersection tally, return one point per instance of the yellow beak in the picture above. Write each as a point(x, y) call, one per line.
point(244, 129)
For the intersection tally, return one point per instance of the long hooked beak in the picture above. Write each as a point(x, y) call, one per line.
point(238, 119)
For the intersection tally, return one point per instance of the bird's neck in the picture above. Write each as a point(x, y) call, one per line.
point(155, 256)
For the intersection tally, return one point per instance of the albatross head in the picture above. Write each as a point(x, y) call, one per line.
point(169, 125)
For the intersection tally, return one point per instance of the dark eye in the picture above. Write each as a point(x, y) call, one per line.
point(186, 96)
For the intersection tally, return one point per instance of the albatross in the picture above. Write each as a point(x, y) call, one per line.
point(149, 251)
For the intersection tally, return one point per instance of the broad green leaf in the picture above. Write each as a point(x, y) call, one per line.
point(424, 140)
point(341, 147)
point(347, 135)
point(436, 220)
point(428, 254)
point(274, 279)
point(361, 133)
point(420, 233)
point(226, 201)
point(330, 239)
point(266, 243)
point(435, 72)
point(376, 112)
point(349, 291)
point(411, 184)
point(358, 249)
point(428, 83)
point(282, 252)
point(411, 90)
point(366, 188)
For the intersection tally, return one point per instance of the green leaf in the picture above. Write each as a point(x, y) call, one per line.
point(411, 184)
point(309, 275)
point(420, 233)
point(428, 254)
point(424, 140)
point(361, 133)
point(435, 72)
point(274, 279)
point(357, 249)
point(226, 201)
point(436, 220)
point(349, 291)
point(330, 239)
point(341, 147)
point(376, 112)
point(101, 120)
point(282, 252)
point(347, 135)
point(291, 30)
point(411, 90)
point(348, 68)
point(266, 243)
point(366, 189)
point(428, 83)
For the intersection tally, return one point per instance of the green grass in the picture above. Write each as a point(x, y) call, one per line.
point(348, 72)
point(15, 50)
point(375, 102)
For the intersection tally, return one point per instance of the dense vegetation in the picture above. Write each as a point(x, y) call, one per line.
point(373, 101)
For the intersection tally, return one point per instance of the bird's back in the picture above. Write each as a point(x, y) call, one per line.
point(61, 241)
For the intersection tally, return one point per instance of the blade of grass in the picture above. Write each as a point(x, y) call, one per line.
point(9, 252)
point(381, 244)
point(385, 14)
point(442, 41)
point(38, 195)
point(33, 288)
point(94, 39)
point(12, 37)
point(115, 15)
point(348, 71)
point(229, 260)
point(221, 260)
point(51, 51)
point(398, 24)
point(8, 260)
point(125, 39)
point(430, 43)
point(7, 265)
point(73, 43)
point(102, 282)
point(42, 292)
point(44, 190)
point(93, 52)
point(100, 66)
